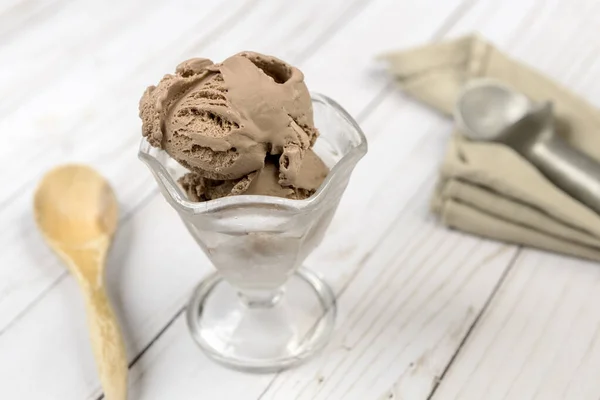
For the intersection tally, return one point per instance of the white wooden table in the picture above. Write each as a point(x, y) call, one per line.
point(424, 312)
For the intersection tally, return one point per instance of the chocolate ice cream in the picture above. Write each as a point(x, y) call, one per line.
point(244, 126)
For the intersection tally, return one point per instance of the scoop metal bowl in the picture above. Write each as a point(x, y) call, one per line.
point(488, 110)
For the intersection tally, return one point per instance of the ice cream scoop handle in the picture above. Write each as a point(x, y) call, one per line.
point(568, 168)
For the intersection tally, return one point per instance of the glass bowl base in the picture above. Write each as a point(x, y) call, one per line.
point(262, 339)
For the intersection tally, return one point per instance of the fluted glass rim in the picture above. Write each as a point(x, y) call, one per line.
point(179, 201)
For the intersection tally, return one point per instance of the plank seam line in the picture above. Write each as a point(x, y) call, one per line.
point(235, 17)
point(540, 336)
point(154, 340)
point(337, 24)
point(35, 301)
point(228, 22)
point(483, 310)
point(126, 217)
point(372, 105)
point(450, 22)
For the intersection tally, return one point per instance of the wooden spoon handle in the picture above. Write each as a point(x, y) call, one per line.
point(107, 344)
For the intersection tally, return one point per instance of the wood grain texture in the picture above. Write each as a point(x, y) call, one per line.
point(257, 17)
point(20, 286)
point(411, 293)
point(539, 337)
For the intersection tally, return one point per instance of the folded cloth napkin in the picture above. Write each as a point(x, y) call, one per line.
point(486, 188)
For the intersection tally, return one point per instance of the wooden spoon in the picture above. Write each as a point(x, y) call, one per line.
point(76, 211)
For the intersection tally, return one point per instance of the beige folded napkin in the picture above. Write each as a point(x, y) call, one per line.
point(486, 188)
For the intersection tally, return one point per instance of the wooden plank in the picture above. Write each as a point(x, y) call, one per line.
point(417, 373)
point(173, 350)
point(168, 372)
point(81, 32)
point(404, 313)
point(9, 337)
point(53, 292)
point(354, 255)
point(539, 337)
point(27, 269)
point(148, 284)
point(26, 283)
point(339, 259)
point(538, 340)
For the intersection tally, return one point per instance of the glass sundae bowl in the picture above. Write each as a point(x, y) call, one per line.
point(261, 311)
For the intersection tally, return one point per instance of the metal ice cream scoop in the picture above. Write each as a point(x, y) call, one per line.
point(487, 110)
